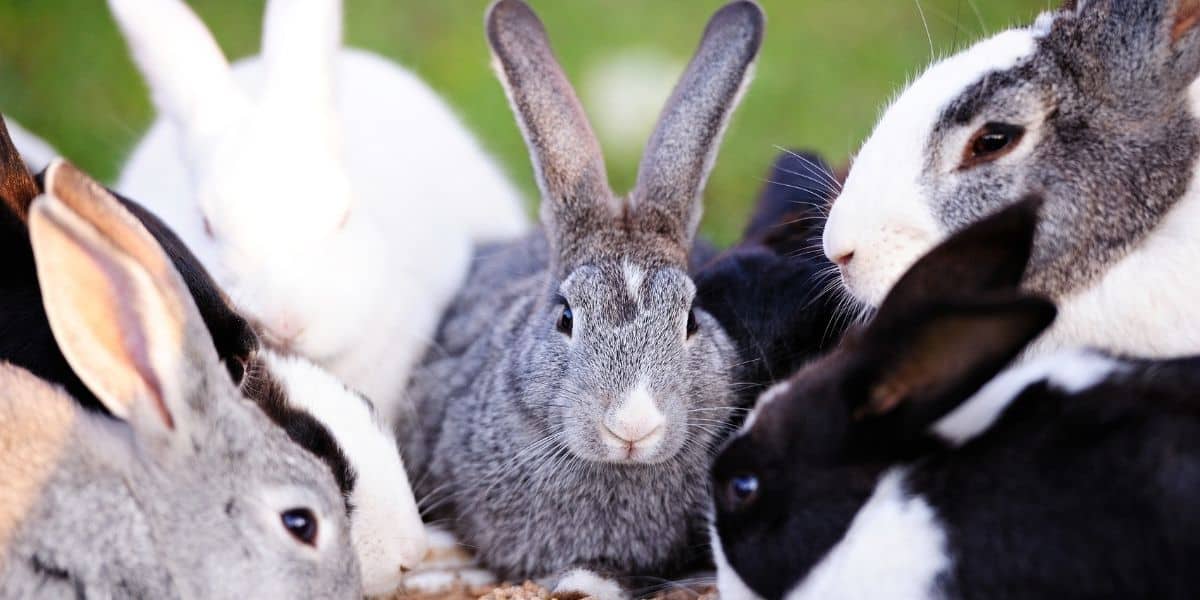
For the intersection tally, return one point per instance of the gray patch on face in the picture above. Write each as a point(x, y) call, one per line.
point(1114, 155)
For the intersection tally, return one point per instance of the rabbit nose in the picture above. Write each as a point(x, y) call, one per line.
point(637, 419)
point(843, 259)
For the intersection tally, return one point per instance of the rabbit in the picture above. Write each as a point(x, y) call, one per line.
point(566, 413)
point(915, 461)
point(332, 193)
point(336, 424)
point(1094, 106)
point(774, 291)
point(183, 489)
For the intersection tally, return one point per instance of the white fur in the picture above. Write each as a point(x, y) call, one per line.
point(636, 424)
point(882, 215)
point(634, 276)
point(730, 585)
point(447, 565)
point(385, 526)
point(35, 151)
point(344, 215)
point(895, 548)
point(1141, 306)
point(1071, 371)
point(591, 584)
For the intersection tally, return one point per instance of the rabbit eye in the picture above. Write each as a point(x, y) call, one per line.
point(742, 490)
point(302, 524)
point(991, 142)
point(692, 325)
point(566, 320)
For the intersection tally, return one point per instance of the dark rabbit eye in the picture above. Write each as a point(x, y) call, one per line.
point(692, 325)
point(991, 142)
point(237, 369)
point(742, 490)
point(302, 524)
point(566, 321)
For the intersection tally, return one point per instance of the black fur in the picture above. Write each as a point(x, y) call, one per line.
point(1086, 495)
point(772, 292)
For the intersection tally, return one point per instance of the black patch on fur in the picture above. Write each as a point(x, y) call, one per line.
point(304, 429)
point(770, 292)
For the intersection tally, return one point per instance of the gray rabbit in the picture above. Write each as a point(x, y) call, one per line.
point(187, 490)
point(569, 410)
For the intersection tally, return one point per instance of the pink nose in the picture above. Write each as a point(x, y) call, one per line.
point(843, 260)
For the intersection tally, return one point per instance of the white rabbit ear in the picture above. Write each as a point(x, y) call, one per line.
point(189, 79)
point(300, 45)
point(119, 311)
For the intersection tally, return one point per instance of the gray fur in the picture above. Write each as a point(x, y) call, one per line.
point(182, 495)
point(510, 408)
point(1117, 150)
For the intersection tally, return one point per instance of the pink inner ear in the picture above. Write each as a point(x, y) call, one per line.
point(1187, 15)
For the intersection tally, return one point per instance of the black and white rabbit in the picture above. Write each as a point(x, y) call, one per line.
point(909, 463)
point(574, 394)
point(1095, 106)
point(774, 292)
point(315, 409)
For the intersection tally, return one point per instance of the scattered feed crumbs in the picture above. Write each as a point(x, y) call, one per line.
point(532, 591)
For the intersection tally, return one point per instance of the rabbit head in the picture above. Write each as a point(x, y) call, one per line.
point(318, 412)
point(619, 354)
point(1089, 106)
point(240, 508)
point(789, 485)
point(267, 155)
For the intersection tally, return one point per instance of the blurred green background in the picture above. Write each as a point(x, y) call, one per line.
point(827, 69)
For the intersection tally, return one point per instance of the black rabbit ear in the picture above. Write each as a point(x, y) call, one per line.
point(987, 256)
point(17, 186)
point(567, 161)
point(683, 147)
point(920, 369)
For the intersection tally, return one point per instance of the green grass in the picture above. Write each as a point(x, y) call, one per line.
point(828, 67)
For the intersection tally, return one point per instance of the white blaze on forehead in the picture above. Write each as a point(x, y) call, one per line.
point(766, 398)
point(637, 416)
point(385, 525)
point(634, 276)
point(1071, 371)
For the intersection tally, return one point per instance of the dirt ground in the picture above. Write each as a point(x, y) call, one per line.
point(531, 591)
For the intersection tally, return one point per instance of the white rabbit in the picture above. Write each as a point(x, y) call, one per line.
point(331, 192)
point(1095, 106)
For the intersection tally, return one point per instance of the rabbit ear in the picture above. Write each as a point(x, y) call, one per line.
point(189, 79)
point(683, 147)
point(1143, 44)
point(300, 45)
point(17, 187)
point(921, 369)
point(566, 156)
point(118, 309)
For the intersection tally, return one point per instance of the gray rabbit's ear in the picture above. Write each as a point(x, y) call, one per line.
point(17, 187)
point(683, 147)
point(1145, 45)
point(567, 161)
point(119, 311)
